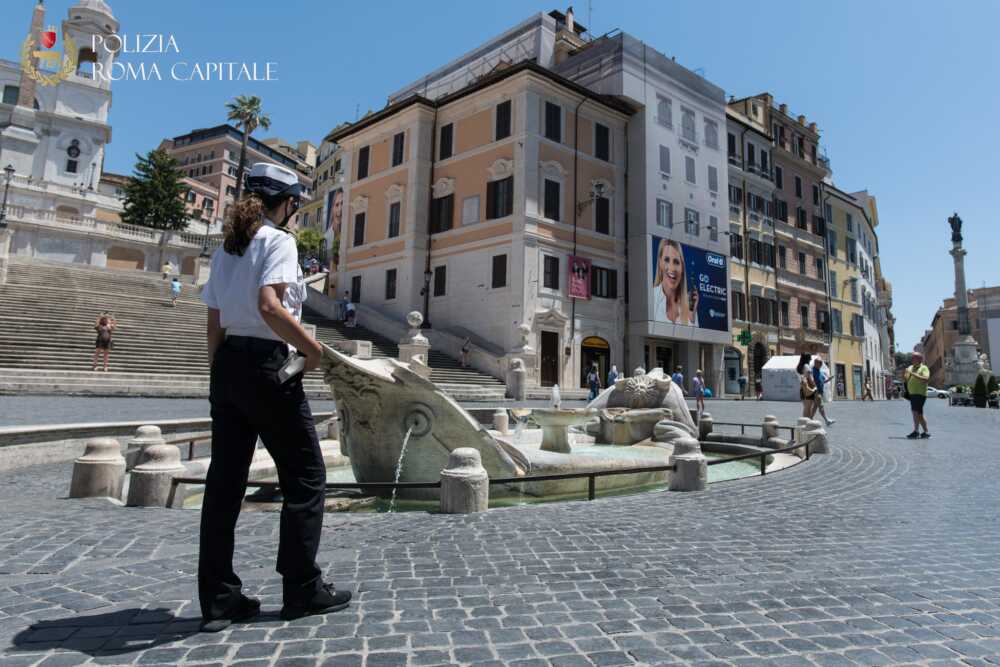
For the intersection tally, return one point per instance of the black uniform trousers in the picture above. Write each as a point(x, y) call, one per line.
point(248, 401)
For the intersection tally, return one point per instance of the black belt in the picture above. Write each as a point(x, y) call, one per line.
point(253, 343)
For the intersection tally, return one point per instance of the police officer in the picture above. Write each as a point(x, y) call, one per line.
point(254, 298)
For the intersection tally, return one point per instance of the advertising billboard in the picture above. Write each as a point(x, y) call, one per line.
point(690, 285)
point(334, 217)
point(579, 277)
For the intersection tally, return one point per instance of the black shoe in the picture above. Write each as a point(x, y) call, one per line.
point(925, 435)
point(914, 435)
point(325, 601)
point(244, 610)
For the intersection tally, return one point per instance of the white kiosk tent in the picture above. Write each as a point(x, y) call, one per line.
point(781, 383)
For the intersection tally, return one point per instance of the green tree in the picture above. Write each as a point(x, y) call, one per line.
point(979, 392)
point(246, 111)
point(309, 241)
point(992, 385)
point(154, 196)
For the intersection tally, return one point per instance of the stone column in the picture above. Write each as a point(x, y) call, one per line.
point(149, 485)
point(5, 235)
point(100, 472)
point(769, 428)
point(705, 425)
point(465, 485)
point(691, 473)
point(145, 436)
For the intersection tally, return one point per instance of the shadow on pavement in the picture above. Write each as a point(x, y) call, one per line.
point(113, 633)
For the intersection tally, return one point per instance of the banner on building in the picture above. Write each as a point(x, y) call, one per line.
point(579, 277)
point(689, 286)
point(334, 212)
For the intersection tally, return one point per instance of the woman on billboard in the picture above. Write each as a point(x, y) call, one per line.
point(672, 300)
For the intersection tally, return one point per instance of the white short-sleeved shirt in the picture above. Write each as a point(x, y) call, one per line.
point(234, 283)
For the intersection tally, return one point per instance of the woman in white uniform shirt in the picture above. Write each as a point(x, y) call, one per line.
point(671, 300)
point(254, 298)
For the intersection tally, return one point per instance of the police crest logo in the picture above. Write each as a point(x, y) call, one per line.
point(53, 66)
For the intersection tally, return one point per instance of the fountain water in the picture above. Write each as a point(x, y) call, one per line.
point(399, 468)
point(556, 397)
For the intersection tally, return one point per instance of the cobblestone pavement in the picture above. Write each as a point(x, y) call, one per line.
point(886, 551)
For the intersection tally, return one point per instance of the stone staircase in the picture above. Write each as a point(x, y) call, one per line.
point(47, 314)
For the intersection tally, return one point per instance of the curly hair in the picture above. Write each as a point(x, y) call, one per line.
point(245, 218)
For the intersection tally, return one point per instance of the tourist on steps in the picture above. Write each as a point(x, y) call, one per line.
point(175, 291)
point(254, 297)
point(105, 328)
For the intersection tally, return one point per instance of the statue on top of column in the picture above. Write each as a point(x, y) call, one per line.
point(956, 228)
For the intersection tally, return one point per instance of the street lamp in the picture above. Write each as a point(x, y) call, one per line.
point(204, 242)
point(8, 172)
point(426, 292)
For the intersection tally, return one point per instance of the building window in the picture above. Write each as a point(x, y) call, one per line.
point(739, 305)
point(550, 272)
point(751, 156)
point(833, 284)
point(736, 245)
point(553, 122)
point(798, 187)
point(71, 166)
point(445, 142)
point(602, 142)
point(499, 278)
point(800, 218)
point(502, 121)
point(779, 179)
point(390, 284)
point(854, 290)
point(850, 223)
point(664, 160)
point(713, 179)
point(802, 263)
point(440, 280)
point(603, 283)
point(359, 229)
point(815, 194)
point(691, 222)
point(713, 228)
point(10, 94)
point(689, 169)
point(664, 111)
point(731, 146)
point(363, 162)
point(470, 210)
point(191, 196)
point(687, 125)
point(664, 213)
point(782, 257)
point(500, 198)
point(819, 269)
point(838, 322)
point(804, 316)
point(602, 215)
point(831, 242)
point(711, 134)
point(356, 289)
point(552, 199)
point(784, 314)
point(394, 219)
point(763, 162)
point(442, 213)
point(397, 149)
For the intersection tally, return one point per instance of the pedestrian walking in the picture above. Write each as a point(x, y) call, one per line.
point(105, 328)
point(167, 269)
point(254, 298)
point(698, 386)
point(916, 376)
point(613, 375)
point(593, 382)
point(742, 380)
point(678, 377)
point(807, 386)
point(466, 349)
point(351, 318)
point(867, 395)
point(175, 291)
point(819, 380)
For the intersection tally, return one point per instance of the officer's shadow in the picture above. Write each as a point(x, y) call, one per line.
point(113, 633)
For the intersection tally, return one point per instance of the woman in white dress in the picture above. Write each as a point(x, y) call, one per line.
point(672, 301)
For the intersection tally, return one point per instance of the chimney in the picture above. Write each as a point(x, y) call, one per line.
point(802, 119)
point(783, 108)
point(812, 127)
point(570, 23)
point(26, 97)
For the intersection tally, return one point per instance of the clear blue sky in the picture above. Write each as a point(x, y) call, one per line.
point(905, 93)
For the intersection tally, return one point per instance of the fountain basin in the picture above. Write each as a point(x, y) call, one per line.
point(555, 425)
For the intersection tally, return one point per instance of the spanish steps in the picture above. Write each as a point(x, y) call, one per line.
point(47, 316)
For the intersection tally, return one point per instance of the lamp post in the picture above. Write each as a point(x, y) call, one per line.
point(427, 299)
point(204, 242)
point(8, 172)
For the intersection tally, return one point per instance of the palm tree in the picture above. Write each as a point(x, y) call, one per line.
point(246, 111)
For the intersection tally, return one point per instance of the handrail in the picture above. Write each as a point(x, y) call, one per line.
point(790, 429)
point(763, 456)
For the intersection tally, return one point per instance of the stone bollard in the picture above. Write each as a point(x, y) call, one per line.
point(769, 429)
point(691, 468)
point(100, 472)
point(333, 428)
point(149, 485)
point(705, 425)
point(465, 486)
point(501, 422)
point(800, 428)
point(145, 436)
point(815, 434)
point(517, 380)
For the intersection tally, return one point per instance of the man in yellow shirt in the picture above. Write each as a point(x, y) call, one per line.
point(916, 377)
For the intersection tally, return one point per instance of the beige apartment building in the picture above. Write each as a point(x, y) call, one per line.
point(486, 208)
point(984, 320)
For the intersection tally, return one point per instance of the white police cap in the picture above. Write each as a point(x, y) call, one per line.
point(271, 180)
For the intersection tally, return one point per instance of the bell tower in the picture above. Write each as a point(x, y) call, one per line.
point(90, 25)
